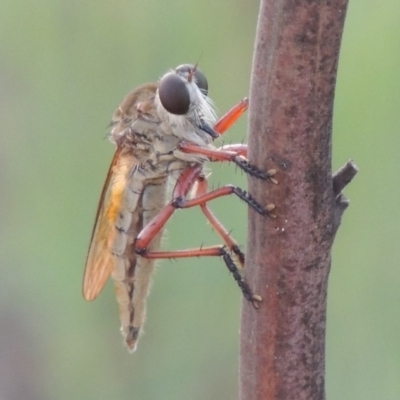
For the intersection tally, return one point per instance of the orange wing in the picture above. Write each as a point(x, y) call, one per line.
point(99, 262)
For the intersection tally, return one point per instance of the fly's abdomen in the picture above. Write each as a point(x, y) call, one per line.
point(132, 273)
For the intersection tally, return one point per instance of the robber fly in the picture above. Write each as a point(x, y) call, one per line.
point(162, 130)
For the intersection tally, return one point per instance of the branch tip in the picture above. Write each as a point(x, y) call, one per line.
point(344, 176)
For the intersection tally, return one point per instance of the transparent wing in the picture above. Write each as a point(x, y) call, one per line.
point(99, 262)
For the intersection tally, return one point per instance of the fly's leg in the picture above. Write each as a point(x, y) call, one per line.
point(202, 188)
point(239, 149)
point(217, 251)
point(230, 156)
point(182, 188)
point(225, 191)
point(184, 184)
point(228, 119)
point(235, 153)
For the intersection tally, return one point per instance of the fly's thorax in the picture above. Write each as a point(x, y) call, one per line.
point(137, 106)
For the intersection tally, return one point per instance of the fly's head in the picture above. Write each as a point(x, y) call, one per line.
point(183, 105)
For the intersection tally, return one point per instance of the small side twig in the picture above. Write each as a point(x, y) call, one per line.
point(343, 177)
point(340, 180)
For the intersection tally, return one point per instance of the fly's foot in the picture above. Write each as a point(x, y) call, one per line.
point(253, 203)
point(249, 168)
point(250, 200)
point(256, 300)
point(269, 209)
point(270, 174)
point(252, 170)
point(244, 287)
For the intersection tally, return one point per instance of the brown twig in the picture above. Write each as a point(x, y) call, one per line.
point(344, 176)
point(341, 179)
point(288, 261)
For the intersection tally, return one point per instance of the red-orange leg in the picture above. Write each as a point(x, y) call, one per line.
point(182, 188)
point(228, 119)
point(226, 155)
point(202, 188)
point(239, 149)
point(184, 184)
point(219, 251)
point(235, 152)
point(220, 192)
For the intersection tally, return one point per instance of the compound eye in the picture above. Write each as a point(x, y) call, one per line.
point(201, 79)
point(174, 95)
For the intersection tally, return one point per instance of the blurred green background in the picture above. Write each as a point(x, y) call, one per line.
point(64, 68)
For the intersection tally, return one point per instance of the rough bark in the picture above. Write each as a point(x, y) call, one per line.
point(288, 258)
